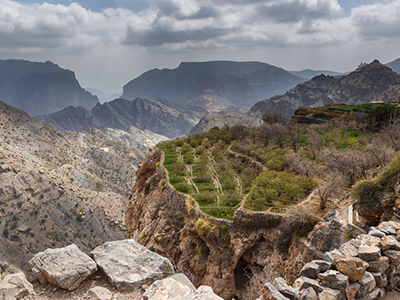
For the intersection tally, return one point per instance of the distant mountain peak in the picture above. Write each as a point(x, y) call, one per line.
point(41, 88)
point(225, 83)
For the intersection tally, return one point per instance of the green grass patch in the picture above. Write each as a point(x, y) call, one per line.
point(206, 199)
point(222, 213)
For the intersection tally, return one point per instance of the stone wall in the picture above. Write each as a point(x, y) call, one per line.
point(363, 268)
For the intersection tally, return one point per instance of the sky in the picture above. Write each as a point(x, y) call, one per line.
point(109, 43)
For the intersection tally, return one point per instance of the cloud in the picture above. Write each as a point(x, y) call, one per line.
point(377, 21)
point(195, 24)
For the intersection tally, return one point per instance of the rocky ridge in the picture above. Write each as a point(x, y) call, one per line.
point(372, 82)
point(41, 88)
point(214, 85)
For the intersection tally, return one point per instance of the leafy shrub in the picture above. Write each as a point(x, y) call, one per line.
point(183, 187)
point(179, 143)
point(275, 159)
point(174, 179)
point(186, 148)
point(194, 143)
point(301, 111)
point(271, 186)
point(205, 199)
point(199, 151)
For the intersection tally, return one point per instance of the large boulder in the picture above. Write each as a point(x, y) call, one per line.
point(353, 267)
point(129, 265)
point(64, 267)
point(175, 287)
point(15, 286)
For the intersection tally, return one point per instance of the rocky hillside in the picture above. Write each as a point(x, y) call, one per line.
point(372, 82)
point(58, 188)
point(141, 139)
point(214, 85)
point(159, 116)
point(41, 88)
point(309, 74)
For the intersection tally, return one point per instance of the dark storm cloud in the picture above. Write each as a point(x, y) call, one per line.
point(161, 36)
point(295, 11)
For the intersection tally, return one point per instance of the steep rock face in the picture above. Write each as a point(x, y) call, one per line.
point(226, 83)
point(372, 82)
point(70, 118)
point(159, 116)
point(221, 253)
point(41, 88)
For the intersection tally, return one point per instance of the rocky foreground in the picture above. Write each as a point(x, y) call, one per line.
point(364, 268)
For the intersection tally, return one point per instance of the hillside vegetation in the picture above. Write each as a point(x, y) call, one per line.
point(274, 166)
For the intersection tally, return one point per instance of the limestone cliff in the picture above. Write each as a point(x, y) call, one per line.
point(230, 256)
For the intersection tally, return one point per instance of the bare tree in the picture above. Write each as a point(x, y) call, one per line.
point(265, 133)
point(301, 165)
point(328, 188)
point(392, 128)
point(351, 163)
point(314, 141)
point(272, 116)
point(279, 134)
point(238, 130)
point(294, 131)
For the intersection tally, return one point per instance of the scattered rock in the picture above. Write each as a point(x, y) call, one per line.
point(271, 293)
point(335, 224)
point(129, 265)
point(394, 256)
point(334, 280)
point(353, 267)
point(389, 243)
point(369, 253)
point(380, 279)
point(64, 267)
point(308, 294)
point(329, 294)
point(99, 293)
point(349, 249)
point(175, 287)
point(379, 265)
point(310, 270)
point(323, 264)
point(15, 286)
point(331, 214)
point(281, 285)
point(351, 290)
point(367, 283)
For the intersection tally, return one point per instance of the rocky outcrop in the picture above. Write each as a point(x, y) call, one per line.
point(129, 265)
point(160, 116)
point(223, 254)
point(64, 267)
point(213, 85)
point(41, 88)
point(372, 82)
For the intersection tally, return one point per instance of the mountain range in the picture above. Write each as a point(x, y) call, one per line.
point(41, 88)
point(371, 82)
point(160, 116)
point(213, 85)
